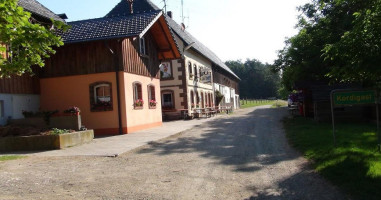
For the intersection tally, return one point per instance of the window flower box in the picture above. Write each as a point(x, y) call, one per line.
point(138, 104)
point(152, 104)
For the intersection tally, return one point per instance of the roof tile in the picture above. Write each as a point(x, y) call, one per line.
point(108, 27)
point(36, 8)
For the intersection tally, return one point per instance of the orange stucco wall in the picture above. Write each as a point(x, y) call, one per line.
point(146, 117)
point(63, 92)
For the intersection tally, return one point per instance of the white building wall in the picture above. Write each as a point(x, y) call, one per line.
point(14, 104)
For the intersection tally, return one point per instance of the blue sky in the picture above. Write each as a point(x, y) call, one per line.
point(233, 29)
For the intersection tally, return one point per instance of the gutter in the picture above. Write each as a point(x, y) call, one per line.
point(117, 89)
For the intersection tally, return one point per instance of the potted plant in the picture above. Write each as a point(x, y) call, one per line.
point(72, 110)
point(152, 103)
point(138, 103)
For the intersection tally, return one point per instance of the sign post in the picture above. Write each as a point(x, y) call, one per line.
point(341, 98)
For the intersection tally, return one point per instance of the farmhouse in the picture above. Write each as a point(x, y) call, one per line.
point(190, 81)
point(109, 67)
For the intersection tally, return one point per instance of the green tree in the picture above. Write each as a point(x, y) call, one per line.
point(26, 43)
point(338, 41)
point(257, 79)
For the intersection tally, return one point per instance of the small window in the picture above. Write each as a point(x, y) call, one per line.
point(195, 71)
point(151, 96)
point(143, 46)
point(1, 108)
point(167, 100)
point(101, 96)
point(192, 99)
point(191, 75)
point(138, 99)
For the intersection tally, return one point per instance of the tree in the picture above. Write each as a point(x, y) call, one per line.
point(25, 42)
point(356, 56)
point(338, 41)
point(257, 79)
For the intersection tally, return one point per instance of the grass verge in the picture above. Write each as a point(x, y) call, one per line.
point(254, 103)
point(279, 103)
point(354, 166)
point(5, 158)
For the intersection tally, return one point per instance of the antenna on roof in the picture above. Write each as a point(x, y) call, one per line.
point(131, 6)
point(165, 6)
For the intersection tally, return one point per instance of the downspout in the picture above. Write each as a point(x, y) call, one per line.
point(117, 88)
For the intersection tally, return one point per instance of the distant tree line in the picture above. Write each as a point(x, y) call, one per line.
point(257, 79)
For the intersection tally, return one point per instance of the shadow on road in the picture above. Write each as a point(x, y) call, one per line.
point(239, 140)
point(248, 142)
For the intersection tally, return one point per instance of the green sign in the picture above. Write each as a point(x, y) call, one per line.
point(354, 97)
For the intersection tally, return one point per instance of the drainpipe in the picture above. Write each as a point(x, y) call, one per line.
point(117, 88)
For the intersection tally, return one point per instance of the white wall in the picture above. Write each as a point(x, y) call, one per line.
point(14, 104)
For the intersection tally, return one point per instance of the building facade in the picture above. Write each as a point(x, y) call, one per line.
point(109, 68)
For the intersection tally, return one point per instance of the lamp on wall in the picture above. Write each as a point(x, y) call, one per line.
point(189, 46)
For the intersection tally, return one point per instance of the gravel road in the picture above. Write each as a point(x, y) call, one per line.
point(239, 156)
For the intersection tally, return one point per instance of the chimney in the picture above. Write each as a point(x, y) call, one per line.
point(169, 13)
point(131, 6)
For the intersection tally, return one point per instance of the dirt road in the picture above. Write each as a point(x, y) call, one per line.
point(240, 156)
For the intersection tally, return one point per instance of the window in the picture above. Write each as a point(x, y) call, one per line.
point(195, 71)
point(192, 99)
point(138, 99)
point(101, 96)
point(190, 70)
point(151, 96)
point(167, 100)
point(143, 46)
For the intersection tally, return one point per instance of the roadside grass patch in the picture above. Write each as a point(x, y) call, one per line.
point(254, 103)
point(354, 166)
point(5, 158)
point(279, 103)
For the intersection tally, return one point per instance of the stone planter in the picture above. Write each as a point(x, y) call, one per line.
point(45, 142)
point(61, 121)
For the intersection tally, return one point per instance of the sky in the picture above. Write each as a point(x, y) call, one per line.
point(232, 29)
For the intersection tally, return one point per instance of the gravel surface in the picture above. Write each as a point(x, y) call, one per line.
point(239, 156)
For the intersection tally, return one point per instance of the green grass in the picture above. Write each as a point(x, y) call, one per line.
point(254, 103)
point(279, 103)
point(354, 165)
point(5, 158)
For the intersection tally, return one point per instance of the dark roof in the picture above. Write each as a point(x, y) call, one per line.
point(108, 27)
point(198, 46)
point(38, 9)
point(139, 6)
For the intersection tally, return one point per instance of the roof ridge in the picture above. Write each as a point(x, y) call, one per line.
point(25, 3)
point(116, 16)
point(139, 6)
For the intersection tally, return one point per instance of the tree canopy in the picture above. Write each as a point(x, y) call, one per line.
point(257, 79)
point(338, 41)
point(26, 42)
